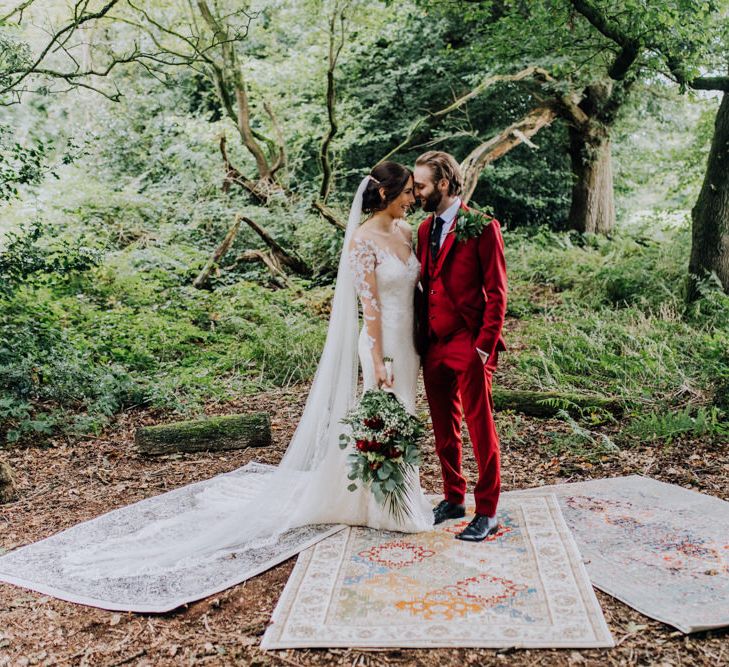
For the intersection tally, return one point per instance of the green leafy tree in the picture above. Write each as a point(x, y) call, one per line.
point(686, 41)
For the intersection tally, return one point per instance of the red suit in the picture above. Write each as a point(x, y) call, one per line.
point(462, 308)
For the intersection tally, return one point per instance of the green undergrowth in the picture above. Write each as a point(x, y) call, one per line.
point(109, 329)
point(608, 316)
point(81, 343)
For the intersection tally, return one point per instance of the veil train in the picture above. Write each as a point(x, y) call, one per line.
point(151, 548)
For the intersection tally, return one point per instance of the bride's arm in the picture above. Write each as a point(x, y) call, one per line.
point(363, 260)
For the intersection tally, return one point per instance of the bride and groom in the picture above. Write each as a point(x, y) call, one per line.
point(458, 276)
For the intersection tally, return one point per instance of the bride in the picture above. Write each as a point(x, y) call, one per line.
point(174, 542)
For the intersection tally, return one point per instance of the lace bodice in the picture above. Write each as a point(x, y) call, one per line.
point(385, 286)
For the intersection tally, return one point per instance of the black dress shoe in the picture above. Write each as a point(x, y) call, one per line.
point(480, 528)
point(445, 510)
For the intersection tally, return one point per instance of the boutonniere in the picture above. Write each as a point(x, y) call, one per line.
point(470, 224)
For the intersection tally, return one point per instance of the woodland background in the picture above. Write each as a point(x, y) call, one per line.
point(173, 177)
point(136, 135)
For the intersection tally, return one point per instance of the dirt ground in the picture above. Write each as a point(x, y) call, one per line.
point(68, 483)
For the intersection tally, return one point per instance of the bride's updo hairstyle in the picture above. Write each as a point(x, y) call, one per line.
point(390, 176)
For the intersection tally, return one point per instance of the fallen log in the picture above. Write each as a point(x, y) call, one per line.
point(278, 275)
point(286, 258)
point(7, 483)
point(549, 403)
point(212, 434)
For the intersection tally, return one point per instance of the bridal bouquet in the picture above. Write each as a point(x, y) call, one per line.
point(384, 442)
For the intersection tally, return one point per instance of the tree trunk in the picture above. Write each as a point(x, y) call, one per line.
point(7, 484)
point(710, 215)
point(548, 403)
point(593, 206)
point(210, 434)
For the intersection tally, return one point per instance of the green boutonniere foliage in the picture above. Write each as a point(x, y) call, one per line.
point(470, 224)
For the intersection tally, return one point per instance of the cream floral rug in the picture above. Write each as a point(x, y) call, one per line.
point(40, 566)
point(524, 587)
point(660, 548)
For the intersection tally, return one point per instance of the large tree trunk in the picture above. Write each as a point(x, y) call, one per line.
point(710, 215)
point(593, 205)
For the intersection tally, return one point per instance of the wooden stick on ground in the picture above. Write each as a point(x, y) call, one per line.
point(202, 279)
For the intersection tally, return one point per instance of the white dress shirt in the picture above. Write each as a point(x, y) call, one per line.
point(449, 216)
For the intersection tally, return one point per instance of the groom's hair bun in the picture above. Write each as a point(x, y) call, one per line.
point(443, 165)
point(392, 177)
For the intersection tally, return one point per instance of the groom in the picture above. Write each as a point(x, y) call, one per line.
point(460, 315)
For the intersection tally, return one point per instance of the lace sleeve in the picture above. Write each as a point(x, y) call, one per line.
point(363, 260)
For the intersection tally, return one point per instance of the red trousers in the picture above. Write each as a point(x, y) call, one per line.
point(456, 382)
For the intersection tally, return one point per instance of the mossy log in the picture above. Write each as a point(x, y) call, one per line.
point(548, 403)
point(7, 483)
point(210, 434)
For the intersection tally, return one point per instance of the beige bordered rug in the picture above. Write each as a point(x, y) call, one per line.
point(526, 586)
point(660, 548)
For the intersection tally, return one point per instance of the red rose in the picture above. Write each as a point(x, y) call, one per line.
point(375, 423)
point(361, 445)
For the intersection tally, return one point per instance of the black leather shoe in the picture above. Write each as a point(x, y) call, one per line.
point(480, 528)
point(445, 510)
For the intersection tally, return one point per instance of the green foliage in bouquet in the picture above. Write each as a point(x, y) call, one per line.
point(384, 446)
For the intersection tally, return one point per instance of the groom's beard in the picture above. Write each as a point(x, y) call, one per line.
point(431, 202)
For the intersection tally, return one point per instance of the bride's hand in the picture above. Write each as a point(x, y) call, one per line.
point(382, 377)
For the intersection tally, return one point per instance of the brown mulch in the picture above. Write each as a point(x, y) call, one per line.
point(72, 482)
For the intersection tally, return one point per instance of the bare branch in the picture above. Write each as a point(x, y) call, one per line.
point(204, 276)
point(18, 10)
point(433, 118)
point(491, 150)
point(285, 257)
point(328, 214)
point(58, 38)
point(336, 43)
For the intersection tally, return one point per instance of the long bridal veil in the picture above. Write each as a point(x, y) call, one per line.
point(222, 519)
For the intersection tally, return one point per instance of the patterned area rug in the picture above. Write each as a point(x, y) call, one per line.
point(524, 587)
point(659, 548)
point(39, 566)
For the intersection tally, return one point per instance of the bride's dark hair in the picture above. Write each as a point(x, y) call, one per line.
point(390, 176)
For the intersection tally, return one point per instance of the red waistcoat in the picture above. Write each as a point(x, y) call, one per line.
point(443, 316)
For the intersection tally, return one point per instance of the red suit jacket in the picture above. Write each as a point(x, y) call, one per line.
point(474, 276)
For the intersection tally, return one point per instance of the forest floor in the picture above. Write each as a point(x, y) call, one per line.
point(72, 482)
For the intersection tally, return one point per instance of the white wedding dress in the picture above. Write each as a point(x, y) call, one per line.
point(183, 545)
point(376, 268)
